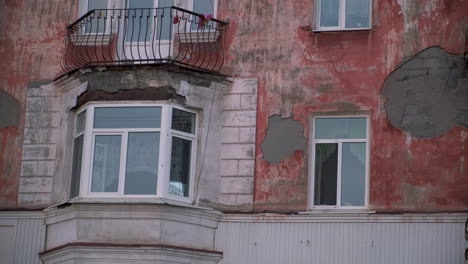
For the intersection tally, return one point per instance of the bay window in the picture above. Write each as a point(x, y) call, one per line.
point(134, 150)
point(340, 154)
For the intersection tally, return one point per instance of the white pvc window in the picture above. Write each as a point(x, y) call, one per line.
point(340, 162)
point(96, 23)
point(134, 150)
point(333, 15)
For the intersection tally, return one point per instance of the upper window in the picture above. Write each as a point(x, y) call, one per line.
point(343, 14)
point(124, 150)
point(340, 162)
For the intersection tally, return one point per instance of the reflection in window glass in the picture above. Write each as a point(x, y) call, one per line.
point(81, 122)
point(97, 23)
point(127, 117)
point(140, 20)
point(357, 13)
point(142, 163)
point(76, 167)
point(329, 13)
point(336, 128)
point(326, 160)
point(106, 164)
point(164, 23)
point(183, 121)
point(180, 167)
point(353, 174)
point(205, 7)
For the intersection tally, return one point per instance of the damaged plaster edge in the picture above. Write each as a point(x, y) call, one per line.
point(147, 94)
point(38, 84)
point(432, 72)
point(283, 137)
point(406, 59)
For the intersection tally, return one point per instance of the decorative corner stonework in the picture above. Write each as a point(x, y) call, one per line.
point(39, 145)
point(238, 143)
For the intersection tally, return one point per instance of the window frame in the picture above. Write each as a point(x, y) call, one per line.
point(340, 142)
point(341, 18)
point(164, 153)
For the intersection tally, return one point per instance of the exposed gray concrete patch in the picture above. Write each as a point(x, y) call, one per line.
point(284, 136)
point(427, 95)
point(37, 84)
point(150, 93)
point(9, 110)
point(114, 80)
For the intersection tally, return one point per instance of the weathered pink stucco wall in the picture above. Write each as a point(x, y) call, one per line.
point(301, 72)
point(31, 44)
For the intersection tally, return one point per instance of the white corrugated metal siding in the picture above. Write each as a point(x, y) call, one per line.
point(392, 242)
point(28, 238)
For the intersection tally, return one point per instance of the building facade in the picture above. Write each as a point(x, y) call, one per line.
point(211, 131)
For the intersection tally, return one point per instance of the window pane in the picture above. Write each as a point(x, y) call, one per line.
point(97, 4)
point(140, 21)
point(127, 117)
point(180, 166)
point(204, 7)
point(357, 13)
point(106, 164)
point(81, 122)
point(329, 13)
point(183, 121)
point(76, 167)
point(326, 160)
point(353, 174)
point(142, 163)
point(340, 128)
point(97, 23)
point(164, 20)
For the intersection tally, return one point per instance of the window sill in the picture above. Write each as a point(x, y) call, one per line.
point(340, 30)
point(101, 200)
point(327, 211)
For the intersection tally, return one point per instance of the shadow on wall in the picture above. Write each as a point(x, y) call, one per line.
point(427, 95)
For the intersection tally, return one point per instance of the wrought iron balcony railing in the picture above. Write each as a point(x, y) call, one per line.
point(105, 37)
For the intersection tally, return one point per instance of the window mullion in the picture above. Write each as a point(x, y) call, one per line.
point(164, 152)
point(338, 180)
point(123, 163)
point(342, 22)
point(85, 186)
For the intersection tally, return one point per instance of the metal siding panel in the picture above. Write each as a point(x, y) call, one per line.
point(30, 239)
point(328, 243)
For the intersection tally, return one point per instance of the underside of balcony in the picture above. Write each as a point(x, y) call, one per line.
point(143, 37)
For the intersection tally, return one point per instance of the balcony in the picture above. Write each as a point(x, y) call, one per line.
point(145, 36)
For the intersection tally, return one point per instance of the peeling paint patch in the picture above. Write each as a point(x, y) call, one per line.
point(283, 137)
point(9, 110)
point(427, 95)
